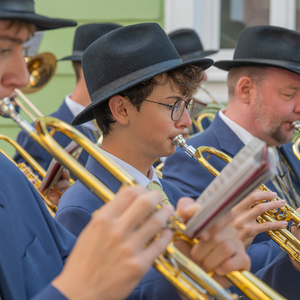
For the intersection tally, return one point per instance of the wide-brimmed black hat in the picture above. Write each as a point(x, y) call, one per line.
point(87, 34)
point(188, 44)
point(265, 46)
point(23, 10)
point(126, 57)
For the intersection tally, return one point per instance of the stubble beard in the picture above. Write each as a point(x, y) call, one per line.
point(273, 127)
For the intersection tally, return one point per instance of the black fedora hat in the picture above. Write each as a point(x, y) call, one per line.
point(265, 46)
point(23, 10)
point(87, 34)
point(126, 57)
point(188, 44)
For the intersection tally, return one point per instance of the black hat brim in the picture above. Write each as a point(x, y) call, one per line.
point(197, 54)
point(226, 65)
point(71, 57)
point(41, 22)
point(131, 80)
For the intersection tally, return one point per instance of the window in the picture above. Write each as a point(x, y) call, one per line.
point(236, 15)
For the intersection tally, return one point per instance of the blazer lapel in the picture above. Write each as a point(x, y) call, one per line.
point(229, 141)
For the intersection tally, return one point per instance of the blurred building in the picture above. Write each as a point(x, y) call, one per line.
point(218, 23)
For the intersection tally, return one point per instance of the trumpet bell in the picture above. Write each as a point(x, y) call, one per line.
point(41, 68)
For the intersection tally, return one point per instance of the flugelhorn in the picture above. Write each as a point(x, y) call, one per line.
point(283, 237)
point(185, 275)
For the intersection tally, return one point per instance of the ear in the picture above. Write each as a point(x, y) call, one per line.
point(119, 108)
point(245, 89)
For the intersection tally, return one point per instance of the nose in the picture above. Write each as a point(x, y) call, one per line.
point(297, 105)
point(16, 74)
point(185, 120)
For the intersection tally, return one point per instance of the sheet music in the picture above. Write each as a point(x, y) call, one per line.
point(252, 166)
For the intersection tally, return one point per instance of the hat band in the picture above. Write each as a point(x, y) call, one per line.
point(77, 53)
point(191, 54)
point(134, 76)
point(24, 6)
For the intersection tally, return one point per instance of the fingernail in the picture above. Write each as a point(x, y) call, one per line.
point(284, 223)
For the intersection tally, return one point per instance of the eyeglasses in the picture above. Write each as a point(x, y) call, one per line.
point(178, 107)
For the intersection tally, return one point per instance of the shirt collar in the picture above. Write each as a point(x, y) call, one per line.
point(244, 135)
point(136, 174)
point(77, 108)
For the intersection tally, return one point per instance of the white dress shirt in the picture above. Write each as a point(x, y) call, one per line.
point(142, 179)
point(77, 108)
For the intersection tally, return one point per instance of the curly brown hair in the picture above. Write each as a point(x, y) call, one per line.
point(187, 79)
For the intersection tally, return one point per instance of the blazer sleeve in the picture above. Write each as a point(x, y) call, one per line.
point(282, 276)
point(49, 293)
point(154, 286)
point(262, 253)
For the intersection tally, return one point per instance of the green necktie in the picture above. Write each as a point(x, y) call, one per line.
point(155, 186)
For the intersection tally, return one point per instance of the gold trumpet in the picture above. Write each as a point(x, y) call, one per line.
point(283, 237)
point(183, 273)
point(34, 179)
point(200, 118)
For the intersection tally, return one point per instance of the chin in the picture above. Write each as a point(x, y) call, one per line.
point(170, 151)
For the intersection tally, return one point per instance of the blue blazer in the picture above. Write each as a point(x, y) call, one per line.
point(192, 179)
point(33, 245)
point(41, 155)
point(74, 212)
point(78, 202)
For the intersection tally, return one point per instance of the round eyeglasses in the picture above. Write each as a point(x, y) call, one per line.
point(178, 107)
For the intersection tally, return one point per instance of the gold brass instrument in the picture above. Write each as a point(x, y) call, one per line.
point(184, 274)
point(296, 143)
point(41, 69)
point(200, 118)
point(283, 237)
point(34, 179)
point(208, 111)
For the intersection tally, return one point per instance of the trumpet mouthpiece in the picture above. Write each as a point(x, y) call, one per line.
point(296, 125)
point(180, 142)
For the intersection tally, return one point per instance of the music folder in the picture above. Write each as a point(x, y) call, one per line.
point(253, 165)
point(55, 169)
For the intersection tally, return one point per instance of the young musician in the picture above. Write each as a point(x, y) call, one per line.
point(36, 261)
point(140, 91)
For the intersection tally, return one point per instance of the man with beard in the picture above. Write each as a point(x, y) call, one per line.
point(264, 100)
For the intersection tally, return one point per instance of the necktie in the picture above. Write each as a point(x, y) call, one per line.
point(285, 183)
point(155, 186)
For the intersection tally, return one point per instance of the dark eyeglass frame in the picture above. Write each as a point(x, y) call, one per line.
point(189, 105)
